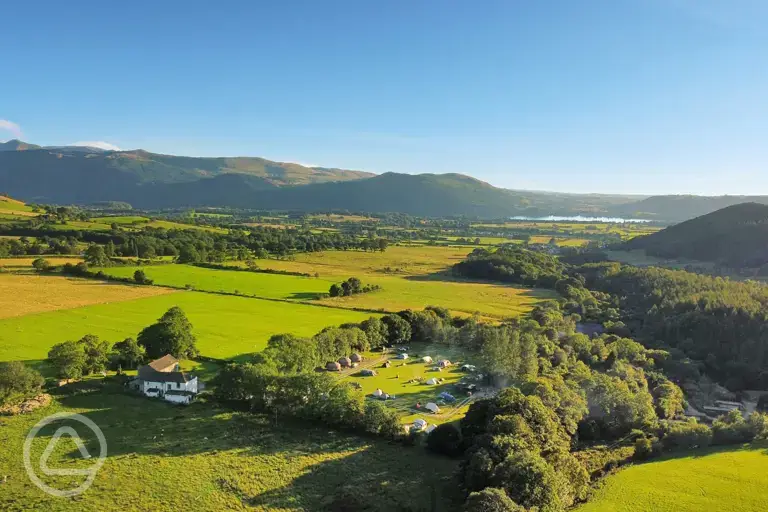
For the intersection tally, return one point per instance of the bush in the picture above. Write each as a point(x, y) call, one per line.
point(18, 381)
point(645, 448)
point(686, 436)
point(491, 500)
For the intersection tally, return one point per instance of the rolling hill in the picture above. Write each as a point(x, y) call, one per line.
point(677, 208)
point(736, 236)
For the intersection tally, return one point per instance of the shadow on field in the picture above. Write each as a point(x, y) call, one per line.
point(354, 473)
point(304, 296)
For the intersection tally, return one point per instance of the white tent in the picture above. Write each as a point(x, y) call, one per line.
point(432, 381)
point(432, 407)
point(444, 363)
point(378, 393)
point(419, 424)
point(402, 356)
point(426, 359)
point(431, 428)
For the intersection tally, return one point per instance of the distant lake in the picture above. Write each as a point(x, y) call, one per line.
point(580, 218)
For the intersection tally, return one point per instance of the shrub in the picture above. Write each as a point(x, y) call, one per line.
point(491, 500)
point(686, 436)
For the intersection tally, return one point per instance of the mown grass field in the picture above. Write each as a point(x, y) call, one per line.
point(413, 277)
point(273, 286)
point(28, 294)
point(225, 326)
point(201, 458)
point(711, 480)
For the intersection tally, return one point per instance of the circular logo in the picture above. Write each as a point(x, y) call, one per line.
point(89, 473)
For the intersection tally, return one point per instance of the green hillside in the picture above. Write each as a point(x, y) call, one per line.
point(736, 236)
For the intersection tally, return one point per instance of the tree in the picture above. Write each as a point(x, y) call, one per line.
point(376, 331)
point(67, 359)
point(445, 439)
point(189, 254)
point(97, 354)
point(398, 329)
point(335, 290)
point(41, 265)
point(129, 354)
point(141, 277)
point(172, 334)
point(529, 481)
point(291, 354)
point(95, 256)
point(18, 381)
point(491, 499)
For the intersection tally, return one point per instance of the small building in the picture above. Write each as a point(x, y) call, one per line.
point(356, 358)
point(426, 359)
point(170, 384)
point(333, 366)
point(345, 362)
point(432, 407)
point(402, 356)
point(432, 381)
point(444, 363)
point(366, 372)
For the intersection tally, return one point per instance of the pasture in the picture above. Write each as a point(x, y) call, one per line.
point(225, 326)
point(25, 262)
point(121, 220)
point(400, 380)
point(413, 278)
point(712, 479)
point(272, 286)
point(9, 204)
point(201, 458)
point(29, 294)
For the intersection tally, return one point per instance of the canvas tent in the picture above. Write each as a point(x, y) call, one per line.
point(432, 381)
point(332, 366)
point(419, 424)
point(402, 356)
point(356, 358)
point(345, 362)
point(426, 359)
point(378, 393)
point(432, 407)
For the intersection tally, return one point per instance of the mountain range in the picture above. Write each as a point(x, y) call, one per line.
point(83, 175)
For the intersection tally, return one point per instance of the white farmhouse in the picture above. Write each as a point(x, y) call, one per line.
point(162, 378)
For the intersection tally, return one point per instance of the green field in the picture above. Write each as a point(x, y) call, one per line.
point(413, 277)
point(225, 326)
point(6, 203)
point(201, 458)
point(121, 220)
point(272, 286)
point(714, 479)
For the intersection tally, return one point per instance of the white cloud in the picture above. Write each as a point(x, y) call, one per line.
point(97, 144)
point(6, 125)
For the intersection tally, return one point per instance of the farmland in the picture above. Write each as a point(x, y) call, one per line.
point(714, 479)
point(206, 459)
point(225, 326)
point(272, 286)
point(29, 294)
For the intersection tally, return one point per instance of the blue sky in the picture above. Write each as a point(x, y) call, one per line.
point(624, 96)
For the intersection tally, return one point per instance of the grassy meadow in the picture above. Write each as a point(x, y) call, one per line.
point(712, 479)
point(272, 286)
point(413, 278)
point(225, 326)
point(202, 458)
